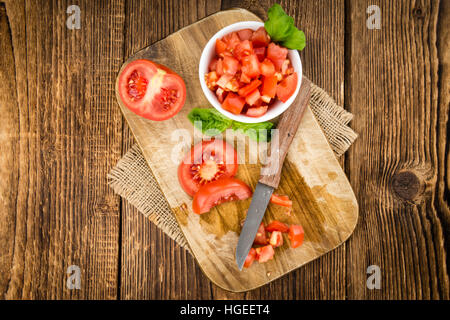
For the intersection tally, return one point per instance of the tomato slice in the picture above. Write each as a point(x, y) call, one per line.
point(257, 111)
point(250, 258)
point(205, 162)
point(296, 235)
point(276, 225)
point(260, 238)
point(219, 191)
point(245, 34)
point(243, 49)
point(250, 65)
point(260, 53)
point(265, 253)
point(281, 200)
point(276, 239)
point(233, 103)
point(151, 90)
point(230, 65)
point(267, 68)
point(277, 55)
point(245, 91)
point(287, 86)
point(260, 38)
point(269, 87)
point(253, 98)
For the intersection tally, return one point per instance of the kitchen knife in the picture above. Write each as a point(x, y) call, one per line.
point(271, 171)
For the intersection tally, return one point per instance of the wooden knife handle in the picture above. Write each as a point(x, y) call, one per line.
point(283, 136)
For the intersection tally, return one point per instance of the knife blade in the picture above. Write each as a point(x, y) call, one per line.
point(271, 171)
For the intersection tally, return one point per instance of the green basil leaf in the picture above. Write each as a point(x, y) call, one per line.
point(255, 131)
point(210, 121)
point(296, 40)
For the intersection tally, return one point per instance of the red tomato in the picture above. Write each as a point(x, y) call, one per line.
point(281, 200)
point(252, 98)
point(221, 47)
point(286, 88)
point(233, 103)
point(245, 91)
point(221, 94)
point(219, 191)
point(260, 38)
point(219, 67)
point(267, 68)
point(230, 65)
point(250, 66)
point(243, 49)
point(213, 65)
point(260, 53)
point(223, 80)
point(211, 80)
point(245, 78)
point(232, 40)
point(250, 258)
point(296, 235)
point(265, 253)
point(257, 111)
point(260, 238)
point(207, 161)
point(245, 34)
point(276, 239)
point(277, 226)
point(159, 101)
point(277, 55)
point(269, 87)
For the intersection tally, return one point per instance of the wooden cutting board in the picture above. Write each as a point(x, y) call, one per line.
point(324, 203)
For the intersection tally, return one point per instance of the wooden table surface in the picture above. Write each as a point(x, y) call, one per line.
point(62, 132)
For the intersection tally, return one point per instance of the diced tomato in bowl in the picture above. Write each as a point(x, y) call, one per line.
point(254, 79)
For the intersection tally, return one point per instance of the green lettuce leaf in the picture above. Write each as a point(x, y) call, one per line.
point(210, 121)
point(256, 131)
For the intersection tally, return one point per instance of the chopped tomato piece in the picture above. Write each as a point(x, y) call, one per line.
point(296, 235)
point(260, 238)
point(211, 80)
point(250, 258)
point(250, 65)
point(245, 78)
point(253, 97)
point(276, 225)
point(276, 239)
point(223, 80)
point(265, 99)
point(219, 67)
point(281, 200)
point(245, 34)
point(233, 85)
point(230, 65)
point(221, 47)
point(286, 88)
point(213, 65)
point(267, 68)
point(277, 55)
point(221, 94)
point(219, 191)
point(257, 111)
point(265, 253)
point(269, 87)
point(245, 91)
point(260, 38)
point(285, 66)
point(260, 53)
point(243, 49)
point(233, 103)
point(232, 40)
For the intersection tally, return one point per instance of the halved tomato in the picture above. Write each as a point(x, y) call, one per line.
point(260, 238)
point(233, 103)
point(296, 235)
point(219, 191)
point(250, 258)
point(276, 225)
point(151, 90)
point(257, 111)
point(287, 86)
point(260, 38)
point(281, 200)
point(265, 253)
point(276, 239)
point(277, 55)
point(207, 161)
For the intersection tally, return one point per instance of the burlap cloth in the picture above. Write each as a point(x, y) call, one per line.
point(132, 178)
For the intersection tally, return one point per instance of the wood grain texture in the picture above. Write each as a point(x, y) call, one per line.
point(324, 202)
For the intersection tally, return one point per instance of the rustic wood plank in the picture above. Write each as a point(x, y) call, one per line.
point(153, 266)
point(402, 117)
point(64, 134)
point(324, 277)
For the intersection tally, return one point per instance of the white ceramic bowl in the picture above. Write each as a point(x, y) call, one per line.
point(208, 54)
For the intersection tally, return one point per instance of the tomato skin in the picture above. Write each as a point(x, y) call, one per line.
point(260, 38)
point(245, 91)
point(267, 68)
point(287, 86)
point(269, 87)
point(276, 225)
point(250, 258)
point(265, 253)
point(245, 34)
point(230, 65)
point(233, 103)
point(257, 112)
point(276, 239)
point(250, 66)
point(219, 191)
point(221, 152)
point(281, 200)
point(260, 238)
point(154, 102)
point(296, 235)
point(277, 55)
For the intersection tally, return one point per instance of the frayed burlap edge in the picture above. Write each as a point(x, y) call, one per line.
point(133, 179)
